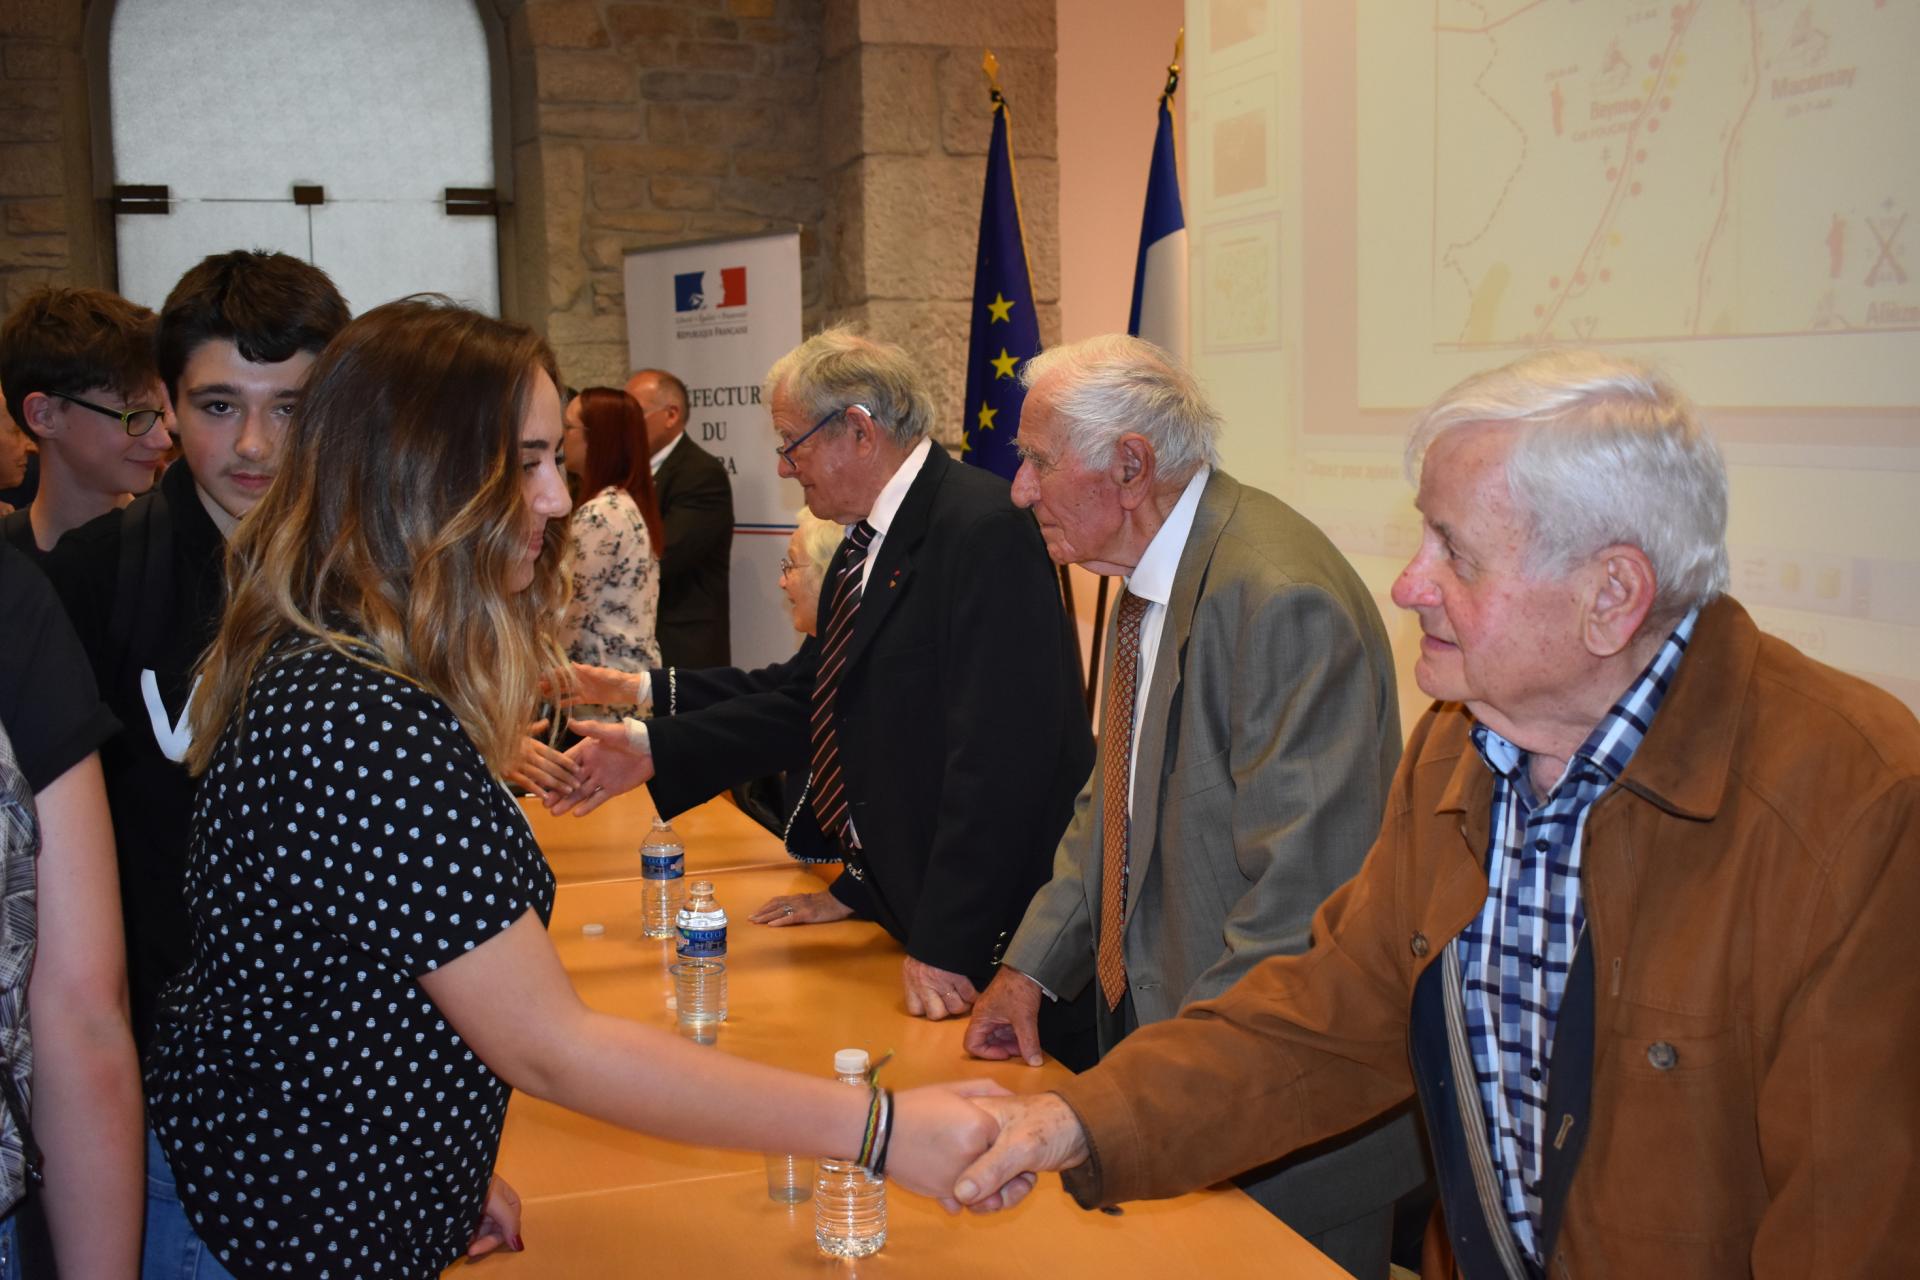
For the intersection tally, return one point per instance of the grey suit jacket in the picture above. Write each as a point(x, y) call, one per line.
point(1267, 745)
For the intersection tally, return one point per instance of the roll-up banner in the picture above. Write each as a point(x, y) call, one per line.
point(717, 314)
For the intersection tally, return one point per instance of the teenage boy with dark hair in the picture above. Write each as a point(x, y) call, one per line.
point(77, 368)
point(144, 586)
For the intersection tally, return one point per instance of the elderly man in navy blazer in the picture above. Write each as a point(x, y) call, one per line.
point(940, 710)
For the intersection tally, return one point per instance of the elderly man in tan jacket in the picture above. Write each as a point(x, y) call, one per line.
point(1635, 931)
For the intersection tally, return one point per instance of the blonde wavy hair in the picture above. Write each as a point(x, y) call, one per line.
point(390, 529)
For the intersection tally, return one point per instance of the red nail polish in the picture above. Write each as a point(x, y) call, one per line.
point(519, 1245)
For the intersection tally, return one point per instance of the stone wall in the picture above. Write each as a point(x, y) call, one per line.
point(47, 222)
point(646, 124)
point(864, 123)
point(905, 137)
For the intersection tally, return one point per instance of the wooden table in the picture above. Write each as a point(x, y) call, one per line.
point(604, 1202)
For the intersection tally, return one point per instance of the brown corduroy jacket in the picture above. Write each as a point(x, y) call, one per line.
point(1752, 891)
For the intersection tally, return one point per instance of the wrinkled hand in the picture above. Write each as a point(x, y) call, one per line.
point(938, 1131)
point(540, 768)
point(1038, 1132)
point(598, 686)
point(499, 1225)
point(1006, 1019)
point(936, 993)
point(605, 765)
point(801, 908)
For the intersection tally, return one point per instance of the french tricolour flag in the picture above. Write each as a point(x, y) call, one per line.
point(1160, 273)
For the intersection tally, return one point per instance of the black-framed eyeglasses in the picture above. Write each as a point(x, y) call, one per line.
point(135, 422)
point(784, 452)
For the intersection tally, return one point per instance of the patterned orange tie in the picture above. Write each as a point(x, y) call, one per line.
point(1116, 754)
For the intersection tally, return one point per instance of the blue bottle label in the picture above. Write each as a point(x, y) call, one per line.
point(703, 944)
point(663, 866)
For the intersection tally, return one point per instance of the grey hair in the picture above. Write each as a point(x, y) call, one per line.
point(819, 539)
point(837, 367)
point(1114, 384)
point(1608, 452)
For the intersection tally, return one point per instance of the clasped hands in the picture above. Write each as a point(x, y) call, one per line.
point(1036, 1132)
point(974, 1145)
point(997, 1141)
point(608, 759)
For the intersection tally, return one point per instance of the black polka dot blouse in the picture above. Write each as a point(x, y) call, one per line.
point(321, 1118)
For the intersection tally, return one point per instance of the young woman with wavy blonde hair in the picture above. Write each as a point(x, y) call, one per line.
point(371, 973)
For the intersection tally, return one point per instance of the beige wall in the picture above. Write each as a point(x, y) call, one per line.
point(1113, 63)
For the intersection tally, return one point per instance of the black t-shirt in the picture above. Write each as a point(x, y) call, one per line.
point(47, 698)
point(322, 1119)
point(16, 530)
point(176, 593)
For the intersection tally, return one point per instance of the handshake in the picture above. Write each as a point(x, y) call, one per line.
point(973, 1145)
point(610, 758)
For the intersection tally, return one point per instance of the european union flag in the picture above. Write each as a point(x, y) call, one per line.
point(1005, 329)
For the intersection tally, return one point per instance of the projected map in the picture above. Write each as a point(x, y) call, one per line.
point(1621, 172)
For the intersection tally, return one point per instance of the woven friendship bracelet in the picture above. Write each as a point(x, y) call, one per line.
point(879, 1166)
point(871, 1136)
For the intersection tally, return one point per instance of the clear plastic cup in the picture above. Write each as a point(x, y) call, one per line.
point(789, 1178)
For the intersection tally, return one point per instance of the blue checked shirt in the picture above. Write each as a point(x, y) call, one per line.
point(1516, 954)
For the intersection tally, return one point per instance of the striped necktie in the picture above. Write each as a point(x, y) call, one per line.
point(1116, 756)
point(829, 786)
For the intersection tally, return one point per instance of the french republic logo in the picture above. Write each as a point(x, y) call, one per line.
point(692, 291)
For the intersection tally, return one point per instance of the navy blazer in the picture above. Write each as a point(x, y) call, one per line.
point(963, 733)
point(694, 623)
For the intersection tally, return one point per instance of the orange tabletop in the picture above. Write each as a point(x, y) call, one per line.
point(605, 845)
point(604, 1202)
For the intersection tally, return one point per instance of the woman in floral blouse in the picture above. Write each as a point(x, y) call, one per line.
point(616, 538)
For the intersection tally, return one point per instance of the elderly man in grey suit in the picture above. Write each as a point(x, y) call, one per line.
point(1249, 737)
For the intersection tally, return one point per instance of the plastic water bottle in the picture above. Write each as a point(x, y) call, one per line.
point(700, 976)
point(663, 861)
point(849, 1204)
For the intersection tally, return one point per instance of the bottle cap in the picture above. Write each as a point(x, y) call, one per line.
point(593, 930)
point(848, 1062)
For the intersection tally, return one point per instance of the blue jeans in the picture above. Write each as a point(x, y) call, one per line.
point(172, 1250)
point(9, 1249)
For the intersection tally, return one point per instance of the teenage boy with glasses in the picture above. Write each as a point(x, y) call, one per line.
point(78, 369)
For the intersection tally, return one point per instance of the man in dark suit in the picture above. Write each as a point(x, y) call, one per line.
point(1243, 767)
point(696, 505)
point(941, 708)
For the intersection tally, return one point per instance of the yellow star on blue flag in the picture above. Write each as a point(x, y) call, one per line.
point(1005, 329)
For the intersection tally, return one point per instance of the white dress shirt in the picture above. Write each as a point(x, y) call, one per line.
point(1152, 581)
point(885, 507)
point(887, 504)
point(660, 455)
